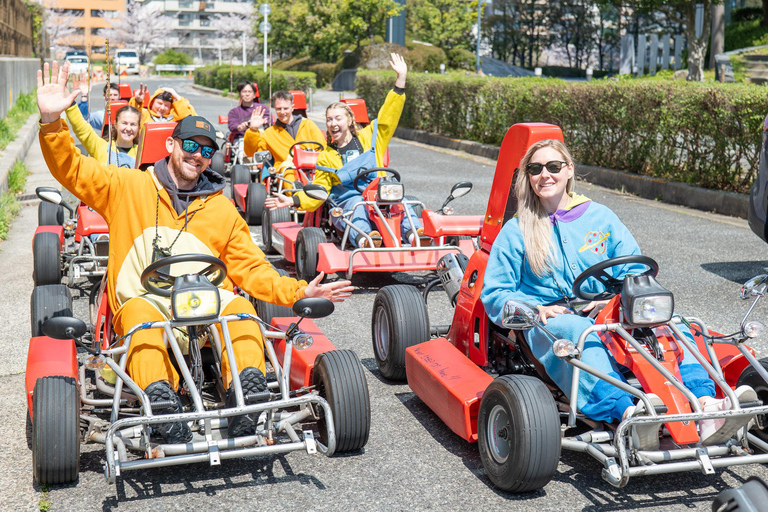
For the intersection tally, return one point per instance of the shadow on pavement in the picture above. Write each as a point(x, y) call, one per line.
point(737, 271)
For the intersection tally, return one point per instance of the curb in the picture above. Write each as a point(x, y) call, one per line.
point(210, 90)
point(672, 192)
point(17, 150)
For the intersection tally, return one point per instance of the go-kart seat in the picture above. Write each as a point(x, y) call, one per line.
point(299, 103)
point(152, 143)
point(359, 109)
point(304, 159)
point(125, 91)
point(113, 107)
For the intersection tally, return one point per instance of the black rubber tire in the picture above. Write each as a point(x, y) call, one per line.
point(49, 214)
point(454, 239)
point(240, 176)
point(750, 377)
point(400, 320)
point(29, 433)
point(46, 259)
point(267, 311)
point(523, 406)
point(307, 246)
point(217, 163)
point(268, 218)
point(47, 302)
point(417, 208)
point(339, 378)
point(56, 430)
point(254, 203)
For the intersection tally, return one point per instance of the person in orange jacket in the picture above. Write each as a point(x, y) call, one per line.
point(165, 104)
point(175, 207)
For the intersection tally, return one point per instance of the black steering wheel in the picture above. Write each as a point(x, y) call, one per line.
point(612, 285)
point(152, 273)
point(366, 172)
point(313, 142)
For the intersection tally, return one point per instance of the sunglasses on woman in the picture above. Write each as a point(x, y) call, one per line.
point(553, 167)
point(190, 146)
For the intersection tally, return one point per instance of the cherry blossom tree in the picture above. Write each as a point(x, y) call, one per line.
point(231, 27)
point(143, 27)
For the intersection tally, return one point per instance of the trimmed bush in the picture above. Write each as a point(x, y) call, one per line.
point(171, 56)
point(218, 77)
point(705, 134)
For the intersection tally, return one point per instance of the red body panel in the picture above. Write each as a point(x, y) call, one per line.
point(449, 383)
point(359, 109)
point(152, 142)
point(125, 91)
point(241, 191)
point(113, 107)
point(441, 225)
point(332, 259)
point(48, 357)
point(299, 100)
point(304, 159)
point(302, 360)
point(89, 222)
point(59, 230)
point(223, 119)
point(289, 232)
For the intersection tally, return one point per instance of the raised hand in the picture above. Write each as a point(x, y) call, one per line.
point(53, 97)
point(80, 84)
point(335, 292)
point(278, 201)
point(173, 93)
point(257, 118)
point(141, 93)
point(397, 63)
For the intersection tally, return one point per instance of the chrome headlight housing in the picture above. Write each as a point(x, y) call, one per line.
point(645, 301)
point(390, 191)
point(195, 298)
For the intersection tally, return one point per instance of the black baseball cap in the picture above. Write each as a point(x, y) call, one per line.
point(192, 126)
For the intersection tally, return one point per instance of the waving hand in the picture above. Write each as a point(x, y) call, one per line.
point(53, 97)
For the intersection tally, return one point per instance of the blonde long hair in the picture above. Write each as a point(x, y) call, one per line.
point(532, 217)
point(354, 127)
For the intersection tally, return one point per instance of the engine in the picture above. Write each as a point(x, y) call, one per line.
point(450, 270)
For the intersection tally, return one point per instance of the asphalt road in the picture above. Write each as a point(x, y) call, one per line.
point(412, 461)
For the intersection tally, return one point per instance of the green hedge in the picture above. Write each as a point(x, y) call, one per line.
point(703, 134)
point(218, 77)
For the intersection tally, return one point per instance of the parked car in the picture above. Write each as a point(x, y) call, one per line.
point(126, 58)
point(77, 63)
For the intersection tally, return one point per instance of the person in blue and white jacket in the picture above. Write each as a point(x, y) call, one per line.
point(536, 258)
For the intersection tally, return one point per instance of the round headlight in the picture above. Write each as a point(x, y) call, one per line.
point(302, 341)
point(754, 329)
point(564, 348)
point(337, 211)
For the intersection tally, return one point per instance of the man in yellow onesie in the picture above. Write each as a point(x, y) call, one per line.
point(278, 138)
point(175, 207)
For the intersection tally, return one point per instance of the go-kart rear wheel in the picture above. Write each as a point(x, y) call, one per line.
point(750, 377)
point(417, 208)
point(518, 433)
point(400, 320)
point(307, 251)
point(46, 259)
point(49, 214)
point(56, 430)
point(339, 378)
point(217, 163)
point(47, 302)
point(254, 203)
point(269, 217)
point(240, 176)
point(267, 311)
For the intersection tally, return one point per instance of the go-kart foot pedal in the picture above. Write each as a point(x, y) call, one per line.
point(706, 463)
point(309, 440)
point(213, 453)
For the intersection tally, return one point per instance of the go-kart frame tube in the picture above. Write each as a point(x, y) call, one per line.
point(375, 205)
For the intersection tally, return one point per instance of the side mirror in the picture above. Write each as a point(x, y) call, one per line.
point(49, 194)
point(754, 287)
point(316, 192)
point(261, 156)
point(313, 307)
point(462, 188)
point(518, 315)
point(64, 328)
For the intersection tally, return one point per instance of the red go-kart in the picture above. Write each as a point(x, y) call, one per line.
point(317, 397)
point(485, 384)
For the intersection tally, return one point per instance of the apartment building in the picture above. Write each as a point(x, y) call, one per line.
point(94, 15)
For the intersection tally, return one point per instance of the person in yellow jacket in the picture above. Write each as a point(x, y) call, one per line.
point(175, 207)
point(164, 105)
point(278, 138)
point(350, 150)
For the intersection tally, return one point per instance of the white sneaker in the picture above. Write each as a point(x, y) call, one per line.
point(719, 430)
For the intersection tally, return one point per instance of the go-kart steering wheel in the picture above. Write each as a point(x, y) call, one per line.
point(612, 285)
point(152, 273)
point(313, 142)
point(366, 172)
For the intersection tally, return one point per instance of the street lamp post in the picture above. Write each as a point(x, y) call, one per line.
point(477, 53)
point(264, 28)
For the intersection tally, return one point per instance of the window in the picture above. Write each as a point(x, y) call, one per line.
point(205, 21)
point(97, 13)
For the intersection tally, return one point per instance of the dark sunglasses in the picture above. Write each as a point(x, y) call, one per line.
point(553, 167)
point(190, 146)
point(166, 96)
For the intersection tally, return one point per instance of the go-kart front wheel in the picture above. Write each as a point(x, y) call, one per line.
point(56, 430)
point(307, 251)
point(339, 378)
point(254, 203)
point(46, 259)
point(47, 302)
point(268, 218)
point(750, 377)
point(400, 320)
point(518, 433)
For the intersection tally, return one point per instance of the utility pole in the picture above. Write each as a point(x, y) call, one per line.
point(264, 28)
point(477, 53)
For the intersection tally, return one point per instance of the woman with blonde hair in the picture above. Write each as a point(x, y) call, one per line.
point(537, 256)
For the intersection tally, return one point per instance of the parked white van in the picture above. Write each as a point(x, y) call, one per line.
point(77, 64)
point(128, 58)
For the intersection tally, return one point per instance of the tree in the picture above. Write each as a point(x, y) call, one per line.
point(231, 27)
point(141, 27)
point(366, 18)
point(573, 26)
point(502, 29)
point(444, 23)
point(310, 27)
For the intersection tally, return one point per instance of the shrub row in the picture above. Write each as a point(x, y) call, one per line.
point(218, 77)
point(707, 135)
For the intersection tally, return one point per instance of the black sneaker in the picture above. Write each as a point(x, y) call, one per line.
point(253, 382)
point(168, 402)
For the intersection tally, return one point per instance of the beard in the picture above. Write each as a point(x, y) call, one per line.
point(185, 177)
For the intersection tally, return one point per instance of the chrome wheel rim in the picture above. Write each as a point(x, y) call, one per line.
point(382, 333)
point(497, 434)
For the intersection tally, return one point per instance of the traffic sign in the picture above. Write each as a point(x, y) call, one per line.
point(265, 9)
point(265, 27)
